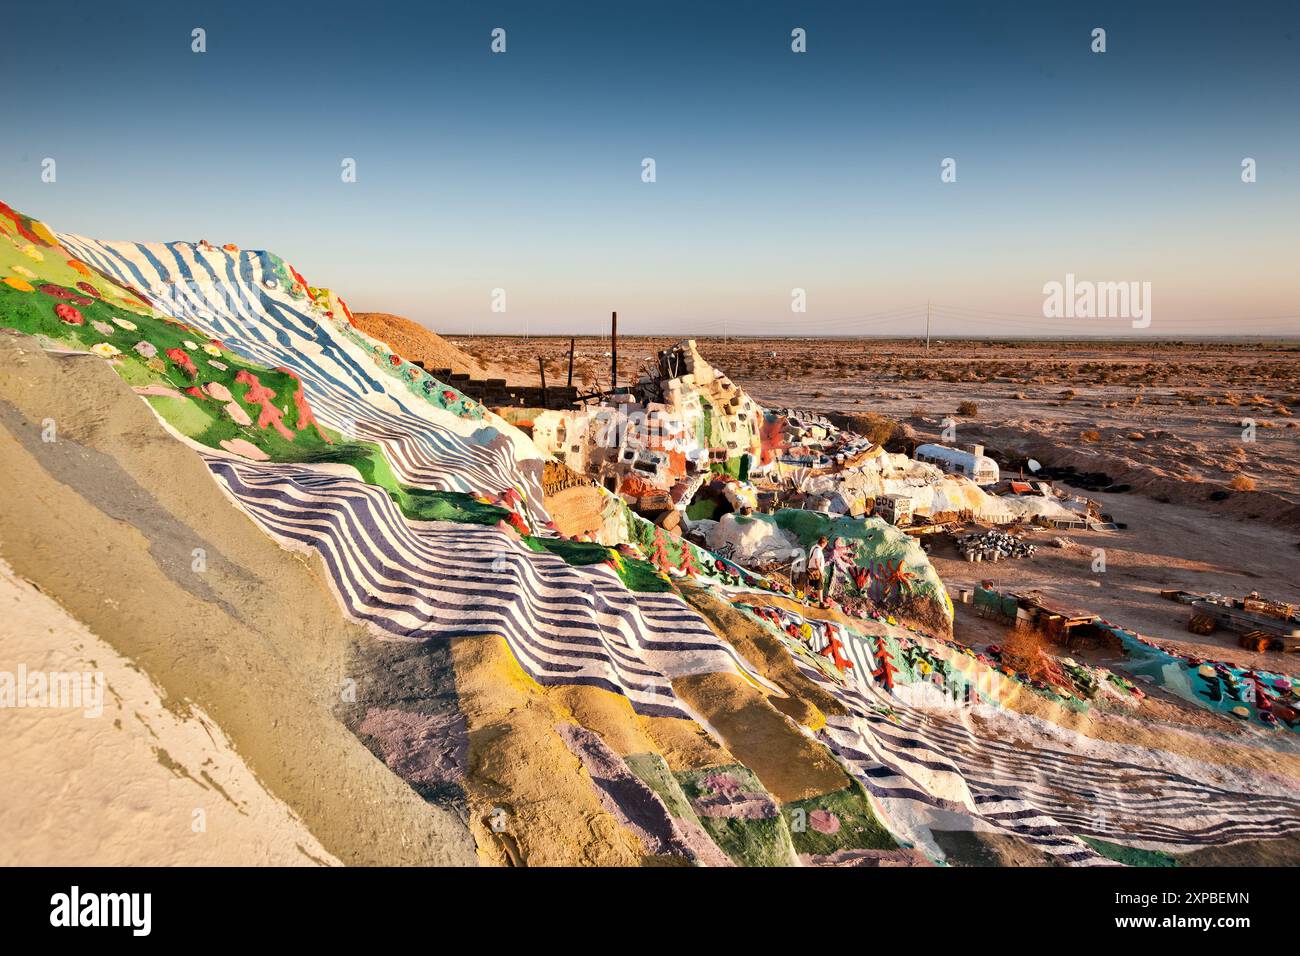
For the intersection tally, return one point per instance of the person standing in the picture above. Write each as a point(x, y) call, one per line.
point(818, 576)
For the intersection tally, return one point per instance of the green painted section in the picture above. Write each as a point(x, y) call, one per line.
point(898, 569)
point(702, 508)
point(763, 841)
point(636, 574)
point(704, 426)
point(847, 813)
point(654, 772)
point(1130, 856)
point(737, 467)
point(203, 419)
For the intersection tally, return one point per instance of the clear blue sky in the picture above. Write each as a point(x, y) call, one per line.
point(775, 170)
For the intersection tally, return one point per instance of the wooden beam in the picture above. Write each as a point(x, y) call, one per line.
point(571, 346)
point(613, 351)
point(541, 367)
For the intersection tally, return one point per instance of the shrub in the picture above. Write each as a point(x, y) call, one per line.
point(1242, 483)
point(877, 428)
point(968, 409)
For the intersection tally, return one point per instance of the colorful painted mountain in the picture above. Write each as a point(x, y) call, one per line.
point(605, 702)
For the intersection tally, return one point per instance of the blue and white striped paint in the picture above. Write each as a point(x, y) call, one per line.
point(239, 299)
point(440, 580)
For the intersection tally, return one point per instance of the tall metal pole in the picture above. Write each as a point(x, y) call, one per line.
point(571, 346)
point(613, 351)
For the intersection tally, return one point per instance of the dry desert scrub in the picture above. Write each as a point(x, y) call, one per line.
point(877, 428)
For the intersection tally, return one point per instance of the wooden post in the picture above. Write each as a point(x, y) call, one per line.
point(571, 345)
point(541, 367)
point(613, 351)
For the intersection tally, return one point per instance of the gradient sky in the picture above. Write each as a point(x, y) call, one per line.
point(775, 170)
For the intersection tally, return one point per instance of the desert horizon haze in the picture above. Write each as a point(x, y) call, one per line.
point(514, 178)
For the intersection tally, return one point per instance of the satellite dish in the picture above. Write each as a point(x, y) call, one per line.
point(1033, 465)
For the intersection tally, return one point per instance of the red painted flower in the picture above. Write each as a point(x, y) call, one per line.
point(395, 359)
point(182, 360)
point(68, 314)
point(824, 821)
point(57, 291)
point(89, 289)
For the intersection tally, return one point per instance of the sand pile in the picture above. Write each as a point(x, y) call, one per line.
point(417, 344)
point(147, 785)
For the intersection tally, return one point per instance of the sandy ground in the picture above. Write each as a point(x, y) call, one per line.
point(105, 521)
point(131, 783)
point(1165, 546)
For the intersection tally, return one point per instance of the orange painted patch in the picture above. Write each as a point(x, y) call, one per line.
point(305, 415)
point(258, 394)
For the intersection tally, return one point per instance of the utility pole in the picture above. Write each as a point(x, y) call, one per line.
point(927, 325)
point(613, 351)
point(571, 345)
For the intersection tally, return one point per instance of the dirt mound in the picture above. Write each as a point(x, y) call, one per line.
point(417, 344)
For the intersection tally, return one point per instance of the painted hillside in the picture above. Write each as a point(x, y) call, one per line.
point(391, 628)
